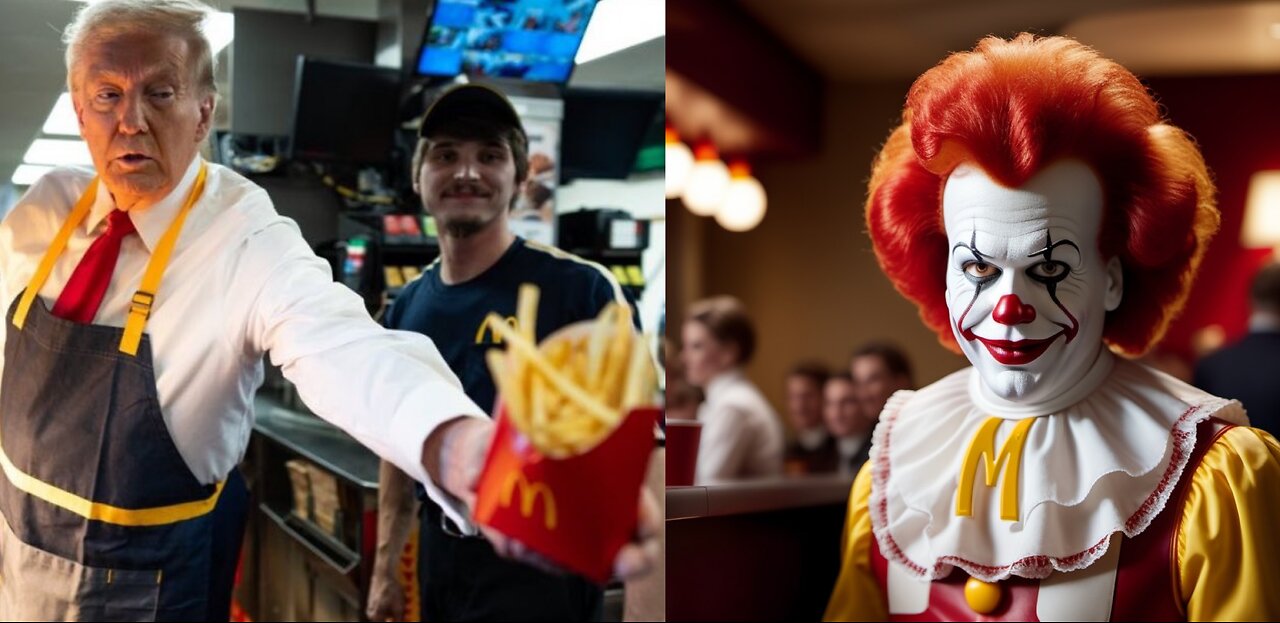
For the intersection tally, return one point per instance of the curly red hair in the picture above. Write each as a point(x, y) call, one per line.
point(1014, 107)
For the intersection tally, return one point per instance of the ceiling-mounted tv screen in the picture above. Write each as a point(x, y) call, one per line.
point(534, 40)
point(604, 130)
point(344, 112)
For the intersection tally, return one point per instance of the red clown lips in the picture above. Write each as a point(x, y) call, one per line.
point(1016, 353)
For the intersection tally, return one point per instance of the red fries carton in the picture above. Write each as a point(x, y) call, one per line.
point(576, 511)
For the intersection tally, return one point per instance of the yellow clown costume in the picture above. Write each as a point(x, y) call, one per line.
point(1224, 524)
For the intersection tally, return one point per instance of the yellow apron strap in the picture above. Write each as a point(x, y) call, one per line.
point(156, 516)
point(140, 308)
point(51, 254)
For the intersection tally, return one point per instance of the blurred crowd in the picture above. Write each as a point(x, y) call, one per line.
point(830, 412)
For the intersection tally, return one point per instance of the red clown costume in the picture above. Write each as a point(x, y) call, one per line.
point(1048, 224)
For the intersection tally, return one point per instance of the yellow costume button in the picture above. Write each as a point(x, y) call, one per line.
point(983, 597)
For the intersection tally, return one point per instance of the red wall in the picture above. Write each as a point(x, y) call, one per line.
point(1236, 121)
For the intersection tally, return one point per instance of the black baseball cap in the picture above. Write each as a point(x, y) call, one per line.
point(469, 100)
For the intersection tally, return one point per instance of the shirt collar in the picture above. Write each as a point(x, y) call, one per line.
point(849, 446)
point(722, 382)
point(812, 438)
point(152, 221)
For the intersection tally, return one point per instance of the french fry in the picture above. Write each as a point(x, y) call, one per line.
point(578, 367)
point(640, 378)
point(559, 353)
point(498, 367)
point(597, 345)
point(537, 403)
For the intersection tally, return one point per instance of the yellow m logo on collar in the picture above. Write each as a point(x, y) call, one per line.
point(484, 326)
point(982, 450)
point(528, 495)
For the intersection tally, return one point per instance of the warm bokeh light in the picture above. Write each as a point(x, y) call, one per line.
point(744, 201)
point(679, 164)
point(1262, 212)
point(708, 181)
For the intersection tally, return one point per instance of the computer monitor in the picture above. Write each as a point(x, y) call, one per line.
point(344, 112)
point(534, 40)
point(603, 131)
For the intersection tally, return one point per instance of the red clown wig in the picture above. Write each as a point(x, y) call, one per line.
point(1013, 108)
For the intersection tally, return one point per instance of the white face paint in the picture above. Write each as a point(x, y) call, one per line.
point(1027, 288)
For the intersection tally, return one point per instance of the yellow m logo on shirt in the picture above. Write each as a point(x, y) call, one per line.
point(528, 495)
point(484, 326)
point(982, 450)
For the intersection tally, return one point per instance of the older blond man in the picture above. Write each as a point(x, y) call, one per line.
point(142, 295)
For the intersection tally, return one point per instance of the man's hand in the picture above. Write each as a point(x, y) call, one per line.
point(637, 558)
point(454, 454)
point(396, 518)
point(386, 597)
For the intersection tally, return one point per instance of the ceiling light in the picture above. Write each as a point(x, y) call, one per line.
point(619, 24)
point(1262, 212)
point(56, 151)
point(27, 174)
point(708, 181)
point(62, 119)
point(220, 28)
point(679, 162)
point(744, 201)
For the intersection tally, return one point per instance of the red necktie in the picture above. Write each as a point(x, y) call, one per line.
point(83, 293)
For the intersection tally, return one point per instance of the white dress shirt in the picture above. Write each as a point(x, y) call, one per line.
point(812, 438)
point(741, 435)
point(849, 447)
point(241, 283)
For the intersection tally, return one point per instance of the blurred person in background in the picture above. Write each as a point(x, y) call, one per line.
point(878, 370)
point(850, 426)
point(681, 398)
point(812, 450)
point(1247, 369)
point(741, 436)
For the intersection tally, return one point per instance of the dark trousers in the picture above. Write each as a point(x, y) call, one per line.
point(463, 579)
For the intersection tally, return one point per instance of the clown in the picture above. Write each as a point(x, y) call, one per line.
point(1048, 223)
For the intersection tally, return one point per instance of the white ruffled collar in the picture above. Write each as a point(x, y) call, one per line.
point(1105, 464)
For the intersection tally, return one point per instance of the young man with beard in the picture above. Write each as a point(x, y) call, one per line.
point(471, 158)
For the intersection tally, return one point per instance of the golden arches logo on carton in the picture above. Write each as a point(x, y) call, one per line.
point(495, 337)
point(529, 493)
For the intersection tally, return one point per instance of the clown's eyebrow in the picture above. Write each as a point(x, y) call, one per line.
point(1050, 245)
point(972, 246)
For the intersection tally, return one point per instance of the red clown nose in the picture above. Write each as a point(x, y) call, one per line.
point(1011, 311)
